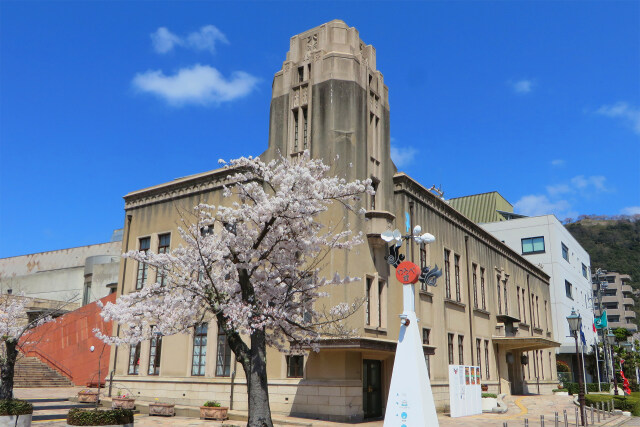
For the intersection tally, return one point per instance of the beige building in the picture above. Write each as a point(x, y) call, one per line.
point(617, 301)
point(330, 99)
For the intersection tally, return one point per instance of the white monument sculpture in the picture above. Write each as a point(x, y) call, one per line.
point(410, 401)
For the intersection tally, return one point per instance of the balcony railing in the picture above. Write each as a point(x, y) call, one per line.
point(626, 289)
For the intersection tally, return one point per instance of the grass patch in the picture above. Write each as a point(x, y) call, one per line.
point(493, 395)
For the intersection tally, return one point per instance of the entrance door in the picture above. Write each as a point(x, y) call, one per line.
point(372, 388)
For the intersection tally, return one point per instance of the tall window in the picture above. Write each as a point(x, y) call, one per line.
point(86, 297)
point(499, 293)
point(141, 278)
point(369, 283)
point(304, 132)
point(524, 306)
point(585, 271)
point(155, 348)
point(382, 301)
point(478, 354)
point(450, 348)
point(295, 364)
point(295, 135)
point(532, 302)
point(223, 355)
point(568, 289)
point(537, 311)
point(164, 241)
point(475, 285)
point(374, 185)
point(533, 245)
point(460, 349)
point(482, 292)
point(486, 358)
point(199, 350)
point(426, 332)
point(447, 274)
point(565, 252)
point(506, 299)
point(457, 267)
point(546, 315)
point(134, 359)
point(520, 311)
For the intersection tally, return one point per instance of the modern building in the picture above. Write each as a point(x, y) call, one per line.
point(484, 207)
point(329, 98)
point(617, 301)
point(77, 275)
point(545, 242)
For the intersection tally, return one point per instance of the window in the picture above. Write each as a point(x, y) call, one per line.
point(374, 185)
point(304, 132)
point(537, 311)
point(457, 271)
point(585, 271)
point(368, 301)
point(532, 300)
point(86, 297)
point(141, 278)
point(447, 275)
point(567, 289)
point(450, 348)
point(478, 358)
point(565, 252)
point(486, 358)
point(295, 135)
point(610, 305)
point(155, 348)
point(506, 300)
point(546, 315)
point(460, 349)
point(520, 311)
point(533, 245)
point(499, 298)
point(541, 363)
point(613, 318)
point(382, 301)
point(164, 241)
point(300, 74)
point(484, 304)
point(611, 279)
point(199, 350)
point(475, 285)
point(223, 355)
point(524, 306)
point(426, 333)
point(295, 364)
point(134, 359)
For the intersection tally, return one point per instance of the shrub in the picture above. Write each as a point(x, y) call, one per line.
point(562, 366)
point(555, 390)
point(92, 417)
point(15, 407)
point(489, 395)
point(212, 403)
point(572, 388)
point(624, 403)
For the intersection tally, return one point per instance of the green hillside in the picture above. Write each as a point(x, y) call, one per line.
point(613, 243)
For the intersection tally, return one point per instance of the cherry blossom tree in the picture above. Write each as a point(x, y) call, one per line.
point(14, 324)
point(254, 264)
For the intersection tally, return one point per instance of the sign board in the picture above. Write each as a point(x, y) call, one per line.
point(407, 272)
point(465, 394)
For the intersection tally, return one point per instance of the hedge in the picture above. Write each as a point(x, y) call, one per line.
point(15, 407)
point(493, 395)
point(572, 388)
point(93, 417)
point(624, 403)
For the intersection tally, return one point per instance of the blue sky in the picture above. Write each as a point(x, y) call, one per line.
point(537, 100)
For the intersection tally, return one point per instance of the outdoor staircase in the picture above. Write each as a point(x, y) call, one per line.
point(30, 372)
point(54, 409)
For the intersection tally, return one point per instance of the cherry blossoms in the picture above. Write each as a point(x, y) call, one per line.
point(254, 263)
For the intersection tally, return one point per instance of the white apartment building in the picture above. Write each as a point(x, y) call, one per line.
point(545, 242)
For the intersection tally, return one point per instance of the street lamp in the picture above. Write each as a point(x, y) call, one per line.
point(611, 339)
point(575, 324)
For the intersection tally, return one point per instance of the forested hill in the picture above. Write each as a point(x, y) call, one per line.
point(613, 243)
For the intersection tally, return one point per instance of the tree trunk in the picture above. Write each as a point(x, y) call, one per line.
point(257, 387)
point(8, 367)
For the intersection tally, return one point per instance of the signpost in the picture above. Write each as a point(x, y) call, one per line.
point(410, 402)
point(465, 394)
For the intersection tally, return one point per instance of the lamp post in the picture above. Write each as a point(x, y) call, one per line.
point(611, 339)
point(600, 287)
point(575, 323)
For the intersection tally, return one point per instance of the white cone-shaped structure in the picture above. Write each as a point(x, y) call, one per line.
point(410, 402)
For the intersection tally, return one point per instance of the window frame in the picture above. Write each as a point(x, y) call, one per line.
point(155, 353)
point(532, 241)
point(456, 261)
point(450, 348)
point(460, 349)
point(223, 365)
point(142, 273)
point(568, 290)
point(202, 358)
point(297, 366)
point(163, 249)
point(134, 363)
point(447, 273)
point(565, 252)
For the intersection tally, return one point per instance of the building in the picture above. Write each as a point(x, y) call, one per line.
point(617, 301)
point(329, 98)
point(484, 207)
point(544, 241)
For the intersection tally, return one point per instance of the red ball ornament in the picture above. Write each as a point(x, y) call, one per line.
point(407, 272)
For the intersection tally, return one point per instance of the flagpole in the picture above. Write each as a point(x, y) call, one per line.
point(595, 340)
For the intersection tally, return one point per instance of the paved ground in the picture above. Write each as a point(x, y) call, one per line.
point(520, 408)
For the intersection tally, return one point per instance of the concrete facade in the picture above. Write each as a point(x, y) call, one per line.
point(570, 276)
point(617, 300)
point(329, 98)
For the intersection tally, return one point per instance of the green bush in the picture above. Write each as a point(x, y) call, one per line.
point(93, 417)
point(15, 407)
point(212, 403)
point(563, 390)
point(572, 388)
point(624, 403)
point(489, 395)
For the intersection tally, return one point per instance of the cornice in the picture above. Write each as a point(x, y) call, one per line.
point(403, 183)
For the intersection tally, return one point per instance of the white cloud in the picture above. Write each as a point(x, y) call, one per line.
point(199, 84)
point(402, 156)
point(522, 86)
point(205, 38)
point(631, 210)
point(624, 111)
point(557, 162)
point(539, 204)
point(557, 189)
point(590, 183)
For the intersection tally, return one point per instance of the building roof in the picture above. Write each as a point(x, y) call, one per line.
point(484, 207)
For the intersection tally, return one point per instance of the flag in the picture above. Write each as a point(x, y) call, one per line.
point(594, 326)
point(601, 322)
point(582, 337)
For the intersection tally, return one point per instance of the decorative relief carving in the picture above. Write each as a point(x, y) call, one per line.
point(316, 56)
point(296, 98)
point(287, 66)
point(361, 46)
point(312, 42)
point(304, 96)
